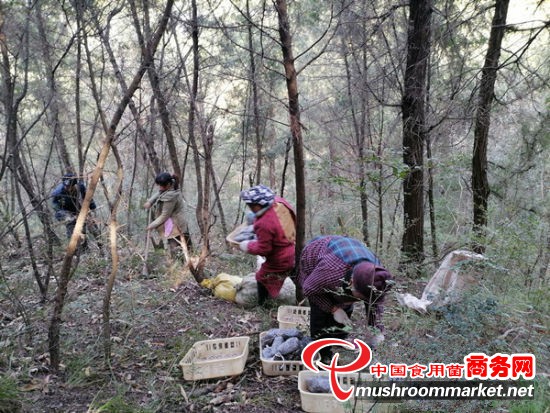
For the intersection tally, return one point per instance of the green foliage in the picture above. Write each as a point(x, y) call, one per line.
point(118, 405)
point(80, 372)
point(541, 402)
point(9, 395)
point(8, 389)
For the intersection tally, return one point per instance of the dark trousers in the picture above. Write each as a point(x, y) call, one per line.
point(263, 294)
point(323, 325)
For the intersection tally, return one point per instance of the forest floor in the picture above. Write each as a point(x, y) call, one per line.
point(155, 320)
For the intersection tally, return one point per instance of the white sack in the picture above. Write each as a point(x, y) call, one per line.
point(446, 285)
point(247, 292)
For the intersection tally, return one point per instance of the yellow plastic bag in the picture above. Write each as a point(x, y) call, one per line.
point(223, 285)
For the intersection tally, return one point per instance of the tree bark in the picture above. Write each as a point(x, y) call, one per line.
point(194, 88)
point(106, 309)
point(480, 183)
point(154, 80)
point(53, 98)
point(295, 128)
point(255, 99)
point(414, 129)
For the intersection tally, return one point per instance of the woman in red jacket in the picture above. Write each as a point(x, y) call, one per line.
point(275, 229)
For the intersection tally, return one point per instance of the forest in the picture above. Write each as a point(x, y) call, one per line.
point(419, 127)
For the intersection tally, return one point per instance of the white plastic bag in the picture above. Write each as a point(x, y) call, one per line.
point(446, 285)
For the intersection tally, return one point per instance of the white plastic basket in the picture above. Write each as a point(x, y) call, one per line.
point(279, 367)
point(326, 402)
point(290, 316)
point(215, 358)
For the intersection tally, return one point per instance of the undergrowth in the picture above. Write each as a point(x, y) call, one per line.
point(156, 319)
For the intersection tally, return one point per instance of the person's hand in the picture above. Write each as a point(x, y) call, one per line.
point(243, 245)
point(341, 317)
point(147, 205)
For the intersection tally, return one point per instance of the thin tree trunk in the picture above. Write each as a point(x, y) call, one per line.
point(429, 170)
point(217, 189)
point(12, 152)
point(194, 87)
point(42, 286)
point(148, 144)
point(203, 197)
point(295, 129)
point(380, 196)
point(360, 129)
point(53, 98)
point(480, 183)
point(55, 322)
point(106, 323)
point(543, 271)
point(78, 70)
point(154, 80)
point(431, 205)
point(255, 99)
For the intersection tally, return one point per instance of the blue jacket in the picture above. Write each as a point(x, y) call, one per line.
point(65, 200)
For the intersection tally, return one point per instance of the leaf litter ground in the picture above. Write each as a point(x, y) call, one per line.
point(154, 321)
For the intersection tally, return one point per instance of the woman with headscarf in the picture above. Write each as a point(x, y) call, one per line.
point(335, 272)
point(275, 230)
point(168, 203)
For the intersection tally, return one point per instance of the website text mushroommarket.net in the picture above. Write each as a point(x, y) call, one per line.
point(443, 390)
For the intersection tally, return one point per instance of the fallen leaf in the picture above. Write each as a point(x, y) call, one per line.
point(34, 385)
point(224, 398)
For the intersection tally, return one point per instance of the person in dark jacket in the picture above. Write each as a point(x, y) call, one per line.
point(334, 273)
point(274, 223)
point(67, 200)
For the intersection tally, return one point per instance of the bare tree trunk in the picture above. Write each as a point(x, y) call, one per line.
point(78, 70)
point(193, 113)
point(12, 156)
point(217, 188)
point(543, 271)
point(202, 211)
point(480, 183)
point(431, 205)
point(157, 92)
point(55, 322)
point(380, 197)
point(360, 127)
point(208, 144)
point(295, 129)
point(53, 98)
point(149, 150)
point(255, 99)
point(106, 323)
point(42, 285)
point(414, 129)
point(429, 170)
